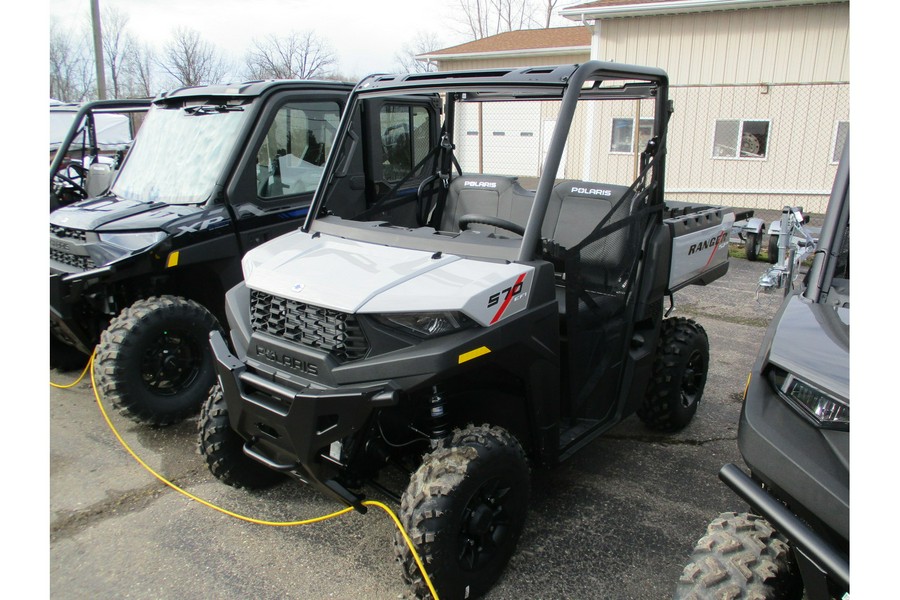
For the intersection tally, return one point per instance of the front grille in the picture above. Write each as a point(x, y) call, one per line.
point(330, 330)
point(73, 260)
point(66, 233)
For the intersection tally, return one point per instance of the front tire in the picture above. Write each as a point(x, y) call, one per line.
point(223, 449)
point(753, 246)
point(464, 510)
point(679, 376)
point(154, 362)
point(741, 557)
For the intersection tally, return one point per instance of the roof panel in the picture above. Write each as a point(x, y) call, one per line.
point(526, 39)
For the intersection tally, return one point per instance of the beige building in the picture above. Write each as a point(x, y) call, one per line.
point(761, 93)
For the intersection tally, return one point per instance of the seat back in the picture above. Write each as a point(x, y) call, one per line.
point(575, 210)
point(489, 195)
point(100, 176)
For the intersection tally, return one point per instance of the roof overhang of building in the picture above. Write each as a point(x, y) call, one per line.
point(585, 13)
point(506, 53)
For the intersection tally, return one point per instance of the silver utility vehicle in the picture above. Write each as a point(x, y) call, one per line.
point(494, 306)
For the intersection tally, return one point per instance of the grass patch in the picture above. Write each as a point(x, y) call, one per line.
point(740, 251)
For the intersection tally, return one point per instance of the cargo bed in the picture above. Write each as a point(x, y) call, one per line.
point(699, 242)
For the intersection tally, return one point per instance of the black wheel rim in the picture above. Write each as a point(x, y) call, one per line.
point(485, 525)
point(692, 380)
point(171, 363)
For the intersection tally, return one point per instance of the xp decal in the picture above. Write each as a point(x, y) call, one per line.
point(210, 223)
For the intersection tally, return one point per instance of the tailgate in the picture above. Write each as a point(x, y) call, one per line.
point(699, 243)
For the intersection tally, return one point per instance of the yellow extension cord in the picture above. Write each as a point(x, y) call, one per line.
point(344, 511)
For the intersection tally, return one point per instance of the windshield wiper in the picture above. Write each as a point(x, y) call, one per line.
point(210, 109)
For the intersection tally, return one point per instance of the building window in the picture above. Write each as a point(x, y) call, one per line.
point(623, 135)
point(737, 138)
point(840, 138)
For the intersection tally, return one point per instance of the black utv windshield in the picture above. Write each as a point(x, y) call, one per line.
point(180, 154)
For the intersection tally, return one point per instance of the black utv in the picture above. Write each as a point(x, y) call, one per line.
point(794, 435)
point(143, 269)
point(496, 309)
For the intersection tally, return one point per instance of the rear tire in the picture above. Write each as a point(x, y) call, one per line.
point(741, 558)
point(154, 362)
point(679, 376)
point(773, 248)
point(464, 510)
point(223, 449)
point(753, 246)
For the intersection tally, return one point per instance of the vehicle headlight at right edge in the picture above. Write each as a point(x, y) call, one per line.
point(826, 410)
point(427, 325)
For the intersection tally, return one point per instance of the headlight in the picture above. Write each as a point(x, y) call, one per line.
point(826, 410)
point(427, 325)
point(133, 241)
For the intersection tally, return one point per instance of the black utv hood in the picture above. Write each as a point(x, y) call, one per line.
point(111, 213)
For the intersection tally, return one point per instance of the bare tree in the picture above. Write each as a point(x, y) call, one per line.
point(141, 67)
point(483, 18)
point(117, 47)
point(422, 43)
point(298, 55)
point(549, 5)
point(71, 67)
point(343, 76)
point(191, 61)
point(513, 15)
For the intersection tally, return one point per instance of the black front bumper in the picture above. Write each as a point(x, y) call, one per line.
point(295, 429)
point(66, 291)
point(818, 559)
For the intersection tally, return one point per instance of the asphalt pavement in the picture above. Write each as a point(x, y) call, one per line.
point(616, 521)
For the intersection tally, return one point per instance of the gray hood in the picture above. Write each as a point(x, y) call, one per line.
point(813, 342)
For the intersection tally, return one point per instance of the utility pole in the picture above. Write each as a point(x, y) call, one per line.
point(98, 49)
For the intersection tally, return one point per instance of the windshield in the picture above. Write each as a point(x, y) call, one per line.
point(179, 154)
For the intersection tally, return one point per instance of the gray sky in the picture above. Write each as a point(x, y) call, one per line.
point(364, 34)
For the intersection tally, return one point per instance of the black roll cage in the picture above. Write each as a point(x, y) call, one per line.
point(566, 83)
point(89, 109)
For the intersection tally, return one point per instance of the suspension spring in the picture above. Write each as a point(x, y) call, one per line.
point(437, 406)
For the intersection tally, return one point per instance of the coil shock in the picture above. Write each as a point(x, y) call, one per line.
point(437, 407)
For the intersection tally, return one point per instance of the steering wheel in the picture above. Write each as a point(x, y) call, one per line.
point(466, 220)
point(75, 186)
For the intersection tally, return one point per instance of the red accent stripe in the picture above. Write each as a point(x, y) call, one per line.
point(509, 296)
point(719, 241)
